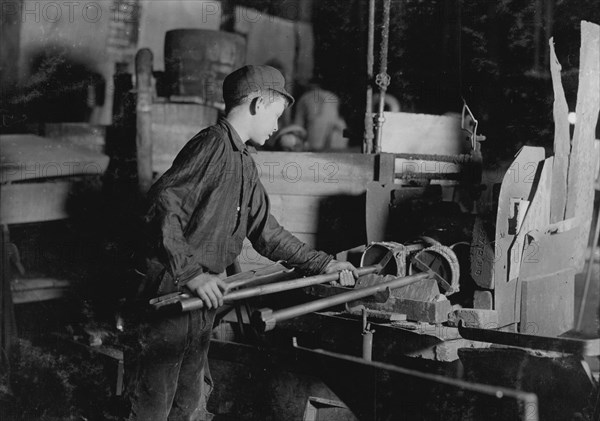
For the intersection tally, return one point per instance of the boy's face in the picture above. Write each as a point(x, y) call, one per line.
point(268, 111)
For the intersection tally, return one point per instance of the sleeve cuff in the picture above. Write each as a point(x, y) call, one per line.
point(326, 260)
point(187, 276)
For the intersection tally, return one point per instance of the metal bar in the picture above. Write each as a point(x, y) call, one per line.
point(383, 78)
point(268, 318)
point(529, 407)
point(194, 303)
point(453, 159)
point(239, 282)
point(583, 347)
point(293, 284)
point(429, 176)
point(368, 141)
point(367, 337)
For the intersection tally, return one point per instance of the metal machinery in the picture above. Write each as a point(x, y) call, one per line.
point(473, 301)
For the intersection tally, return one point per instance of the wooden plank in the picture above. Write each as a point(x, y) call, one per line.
point(294, 173)
point(562, 141)
point(319, 174)
point(173, 125)
point(385, 170)
point(378, 210)
point(581, 173)
point(516, 184)
point(34, 202)
point(38, 283)
point(423, 133)
point(329, 217)
point(482, 256)
point(28, 157)
point(547, 277)
point(298, 214)
point(37, 295)
point(537, 216)
point(83, 135)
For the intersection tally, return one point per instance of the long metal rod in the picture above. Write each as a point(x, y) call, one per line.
point(529, 407)
point(196, 303)
point(293, 284)
point(383, 78)
point(587, 347)
point(368, 141)
point(301, 309)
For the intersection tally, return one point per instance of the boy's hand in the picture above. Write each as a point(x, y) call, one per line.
point(348, 272)
point(209, 288)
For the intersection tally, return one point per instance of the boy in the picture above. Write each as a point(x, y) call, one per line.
point(200, 211)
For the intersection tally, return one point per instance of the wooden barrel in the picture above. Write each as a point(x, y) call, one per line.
point(197, 61)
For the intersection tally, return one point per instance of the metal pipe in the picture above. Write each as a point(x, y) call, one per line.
point(194, 303)
point(454, 159)
point(368, 141)
point(383, 79)
point(528, 401)
point(367, 337)
point(367, 345)
point(293, 284)
point(268, 318)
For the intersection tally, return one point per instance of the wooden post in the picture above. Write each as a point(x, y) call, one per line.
point(580, 176)
point(143, 70)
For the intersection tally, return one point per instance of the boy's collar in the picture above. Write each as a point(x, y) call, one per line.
point(236, 140)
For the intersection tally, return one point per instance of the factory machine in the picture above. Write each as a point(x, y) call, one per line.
point(466, 295)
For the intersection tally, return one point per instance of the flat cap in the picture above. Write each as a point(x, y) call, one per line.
point(250, 79)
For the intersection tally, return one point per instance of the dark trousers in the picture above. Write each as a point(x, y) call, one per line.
point(169, 380)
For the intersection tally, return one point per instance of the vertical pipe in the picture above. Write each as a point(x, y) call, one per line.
point(367, 337)
point(383, 79)
point(143, 141)
point(367, 345)
point(368, 140)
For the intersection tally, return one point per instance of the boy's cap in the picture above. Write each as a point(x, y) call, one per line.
point(249, 79)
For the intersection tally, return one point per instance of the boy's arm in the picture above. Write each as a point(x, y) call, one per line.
point(274, 242)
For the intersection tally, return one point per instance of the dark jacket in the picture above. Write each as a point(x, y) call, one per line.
point(204, 206)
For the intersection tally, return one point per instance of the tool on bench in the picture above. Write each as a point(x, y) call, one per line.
point(257, 286)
